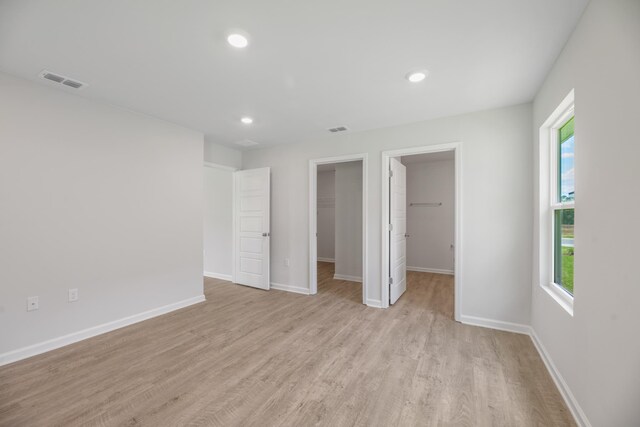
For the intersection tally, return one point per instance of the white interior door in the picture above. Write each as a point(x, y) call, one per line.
point(252, 198)
point(398, 230)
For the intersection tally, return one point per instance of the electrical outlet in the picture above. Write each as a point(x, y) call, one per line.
point(73, 295)
point(286, 262)
point(33, 303)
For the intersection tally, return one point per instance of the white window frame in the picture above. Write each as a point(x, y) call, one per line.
point(551, 203)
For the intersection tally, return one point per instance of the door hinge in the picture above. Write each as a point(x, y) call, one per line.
point(390, 174)
point(390, 227)
point(391, 280)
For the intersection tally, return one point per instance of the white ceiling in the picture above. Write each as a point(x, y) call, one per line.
point(310, 65)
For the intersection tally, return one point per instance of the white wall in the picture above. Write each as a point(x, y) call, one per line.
point(326, 215)
point(497, 203)
point(218, 222)
point(222, 155)
point(218, 208)
point(597, 351)
point(431, 229)
point(94, 198)
point(349, 220)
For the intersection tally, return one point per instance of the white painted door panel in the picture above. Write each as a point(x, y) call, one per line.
point(397, 234)
point(252, 193)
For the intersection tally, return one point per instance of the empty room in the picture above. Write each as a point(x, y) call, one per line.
point(336, 213)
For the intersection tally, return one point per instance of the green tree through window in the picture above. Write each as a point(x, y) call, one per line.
point(564, 210)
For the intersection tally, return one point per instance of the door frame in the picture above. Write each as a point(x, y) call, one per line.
point(313, 217)
point(456, 147)
point(231, 170)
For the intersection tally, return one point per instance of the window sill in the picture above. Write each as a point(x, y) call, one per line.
point(560, 296)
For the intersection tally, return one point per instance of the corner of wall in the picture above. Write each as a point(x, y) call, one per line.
point(220, 154)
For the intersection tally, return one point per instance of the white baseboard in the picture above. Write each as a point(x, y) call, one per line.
point(430, 270)
point(52, 344)
point(376, 303)
point(289, 288)
point(577, 412)
point(347, 278)
point(326, 259)
point(220, 276)
point(496, 324)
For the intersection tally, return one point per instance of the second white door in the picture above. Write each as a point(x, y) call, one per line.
point(251, 227)
point(398, 230)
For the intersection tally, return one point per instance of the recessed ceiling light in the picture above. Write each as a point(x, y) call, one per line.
point(238, 40)
point(417, 76)
point(246, 120)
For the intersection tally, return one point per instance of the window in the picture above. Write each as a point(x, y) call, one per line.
point(562, 206)
point(557, 203)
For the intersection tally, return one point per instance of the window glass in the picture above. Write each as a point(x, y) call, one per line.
point(564, 248)
point(566, 146)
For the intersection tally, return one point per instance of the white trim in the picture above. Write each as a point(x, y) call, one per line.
point(313, 219)
point(219, 166)
point(347, 278)
point(548, 197)
point(234, 222)
point(289, 288)
point(576, 411)
point(220, 276)
point(456, 147)
point(375, 303)
point(517, 328)
point(52, 344)
point(430, 270)
point(561, 296)
point(578, 414)
point(320, 259)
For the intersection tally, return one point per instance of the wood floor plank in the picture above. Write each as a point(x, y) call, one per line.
point(247, 357)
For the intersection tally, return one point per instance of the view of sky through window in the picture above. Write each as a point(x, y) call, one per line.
point(567, 150)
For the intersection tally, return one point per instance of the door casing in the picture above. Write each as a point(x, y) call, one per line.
point(456, 147)
point(313, 218)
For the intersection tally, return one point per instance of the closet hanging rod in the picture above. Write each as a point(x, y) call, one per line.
point(426, 204)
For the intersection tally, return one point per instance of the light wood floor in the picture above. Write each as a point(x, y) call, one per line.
point(252, 358)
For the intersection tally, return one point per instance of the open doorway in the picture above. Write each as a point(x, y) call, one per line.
point(337, 260)
point(421, 227)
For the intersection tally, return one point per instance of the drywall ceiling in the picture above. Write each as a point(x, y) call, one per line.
point(310, 65)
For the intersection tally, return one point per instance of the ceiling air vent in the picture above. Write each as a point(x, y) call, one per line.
point(338, 129)
point(53, 77)
point(57, 78)
point(72, 83)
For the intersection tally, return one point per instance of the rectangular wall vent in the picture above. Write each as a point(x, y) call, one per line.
point(338, 129)
point(66, 81)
